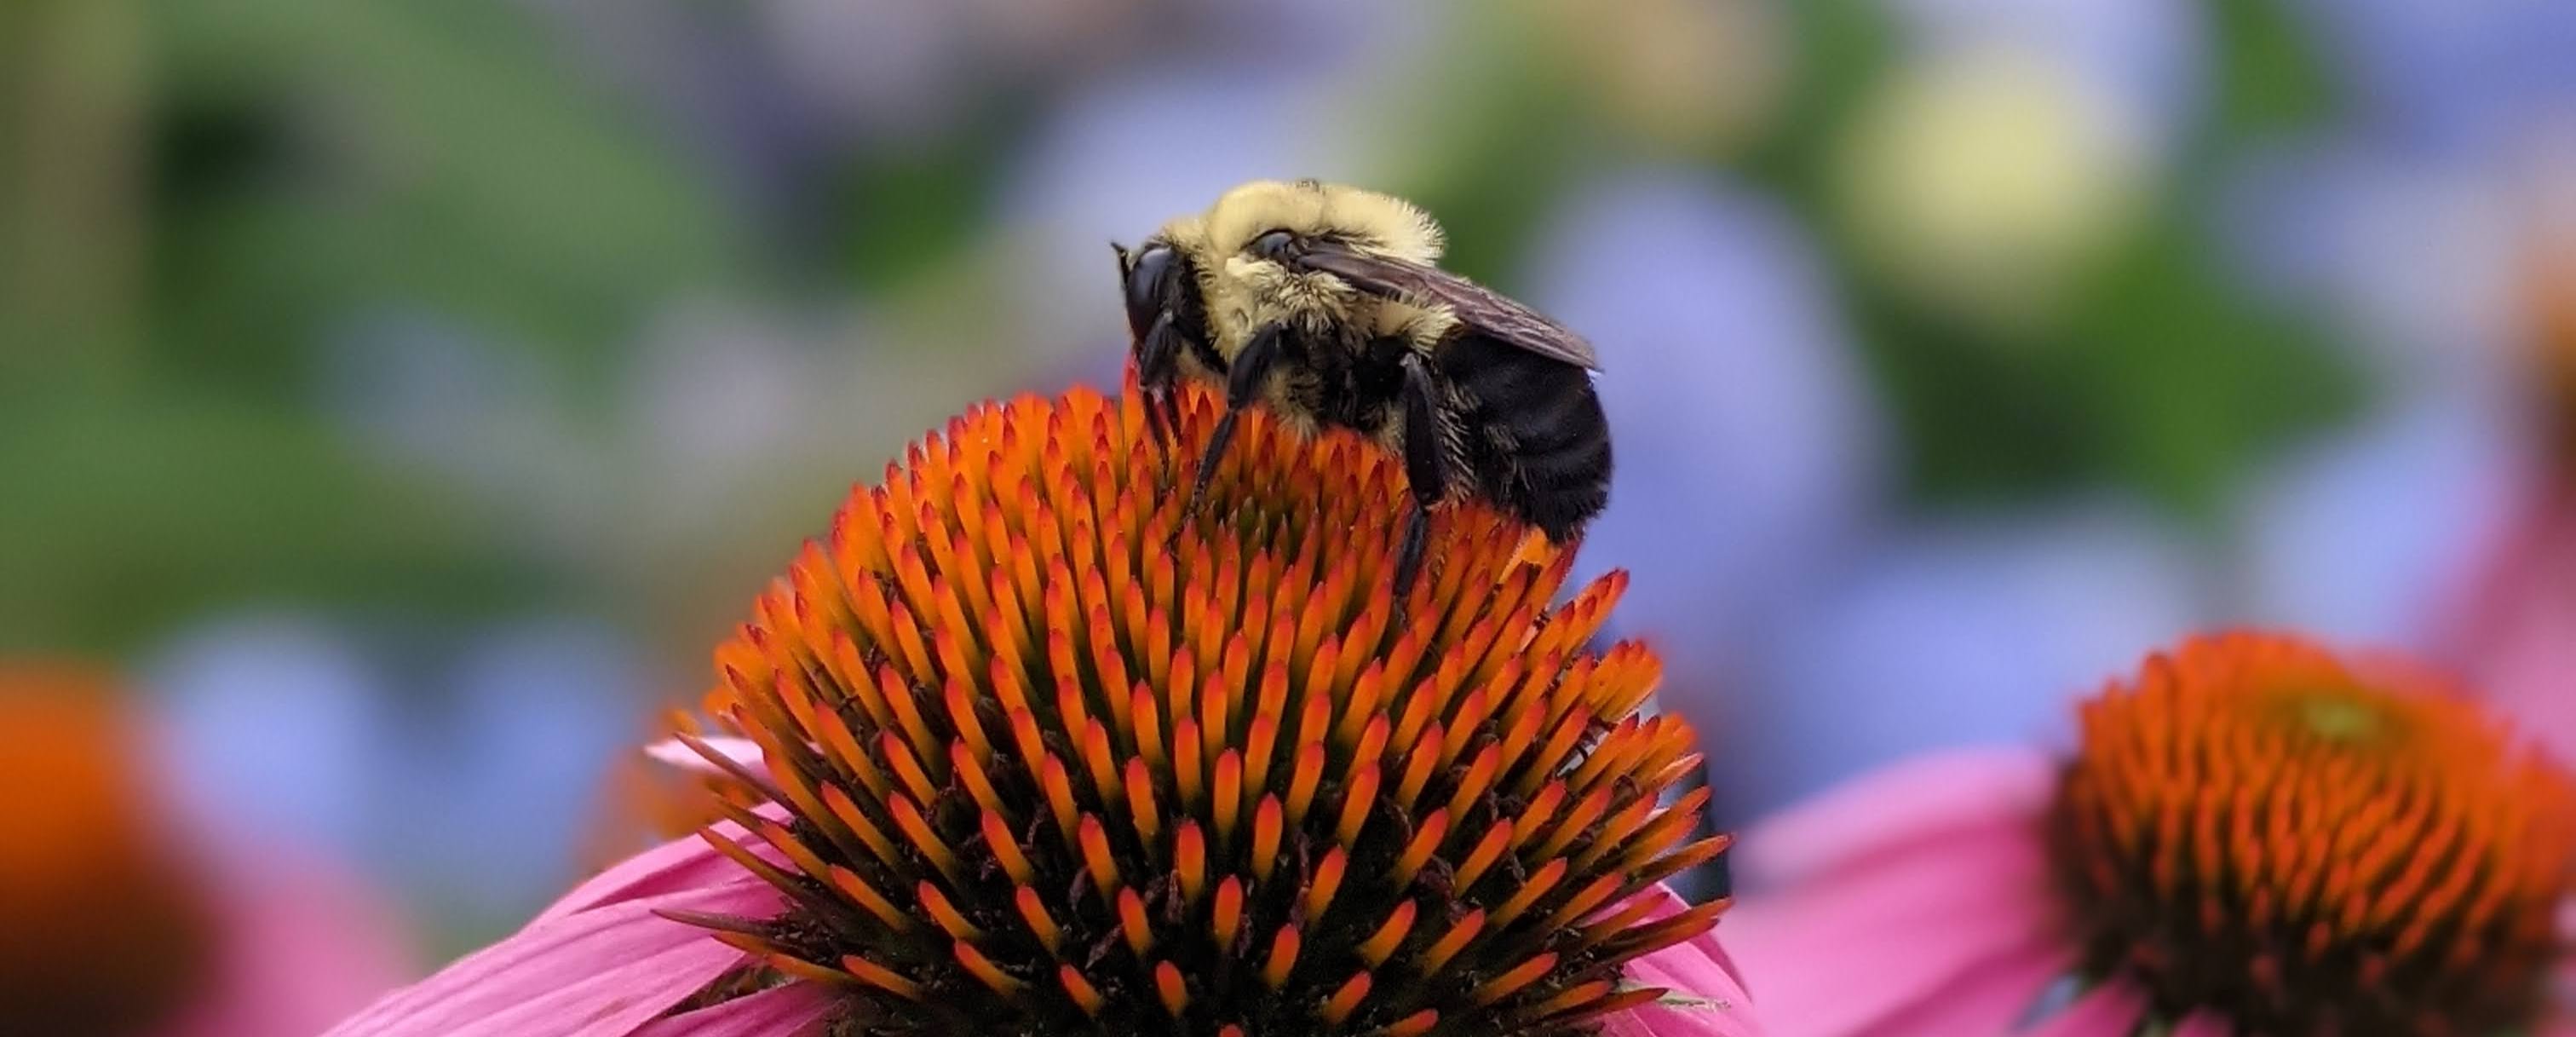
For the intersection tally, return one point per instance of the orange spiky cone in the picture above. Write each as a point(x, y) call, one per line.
point(1043, 774)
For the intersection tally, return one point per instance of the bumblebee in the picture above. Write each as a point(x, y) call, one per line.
point(1325, 305)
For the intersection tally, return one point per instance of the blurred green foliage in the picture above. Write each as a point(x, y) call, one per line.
point(145, 512)
point(261, 174)
point(2270, 77)
point(313, 158)
point(1503, 134)
point(902, 214)
point(200, 199)
point(2166, 374)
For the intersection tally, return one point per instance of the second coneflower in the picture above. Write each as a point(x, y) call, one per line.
point(2254, 836)
point(1020, 749)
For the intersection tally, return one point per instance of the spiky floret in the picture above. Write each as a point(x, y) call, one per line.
point(2258, 826)
point(1048, 768)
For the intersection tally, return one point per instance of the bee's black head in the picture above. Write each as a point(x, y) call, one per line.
point(1150, 276)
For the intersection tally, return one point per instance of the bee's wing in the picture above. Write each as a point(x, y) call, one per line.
point(1479, 308)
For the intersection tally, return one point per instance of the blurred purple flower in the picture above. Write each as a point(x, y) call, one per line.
point(230, 691)
point(1747, 448)
point(525, 722)
point(2365, 539)
point(2450, 77)
point(1969, 632)
point(536, 710)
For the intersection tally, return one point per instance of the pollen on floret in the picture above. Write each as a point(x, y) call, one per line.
point(1056, 760)
point(2313, 846)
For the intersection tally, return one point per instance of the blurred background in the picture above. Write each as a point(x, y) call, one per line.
point(403, 397)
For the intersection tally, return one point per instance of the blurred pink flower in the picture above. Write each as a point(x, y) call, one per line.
point(123, 914)
point(2517, 633)
point(301, 944)
point(2008, 891)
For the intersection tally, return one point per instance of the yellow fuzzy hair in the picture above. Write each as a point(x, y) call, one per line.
point(1376, 221)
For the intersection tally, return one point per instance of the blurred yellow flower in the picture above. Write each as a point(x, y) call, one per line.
point(1986, 181)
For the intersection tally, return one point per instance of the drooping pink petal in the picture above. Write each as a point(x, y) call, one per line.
point(2205, 1024)
point(303, 945)
point(599, 972)
point(2111, 1009)
point(686, 863)
point(2528, 663)
point(1706, 999)
point(794, 1010)
point(2513, 632)
point(1968, 793)
point(1920, 921)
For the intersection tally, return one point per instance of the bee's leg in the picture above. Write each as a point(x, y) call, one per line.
point(1158, 357)
point(1425, 466)
point(1242, 383)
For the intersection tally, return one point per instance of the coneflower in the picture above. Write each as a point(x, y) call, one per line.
point(2254, 836)
point(1017, 749)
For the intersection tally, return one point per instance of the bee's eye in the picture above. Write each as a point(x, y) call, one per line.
point(1272, 246)
point(1147, 272)
point(1145, 278)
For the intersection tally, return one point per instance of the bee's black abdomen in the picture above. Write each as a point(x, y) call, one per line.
point(1537, 442)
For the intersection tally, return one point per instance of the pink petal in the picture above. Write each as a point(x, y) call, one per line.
point(2514, 632)
point(1706, 999)
point(678, 754)
point(1926, 924)
point(789, 1011)
point(600, 972)
point(1987, 999)
point(2111, 1009)
point(685, 863)
point(2528, 667)
point(2205, 1024)
point(1969, 792)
